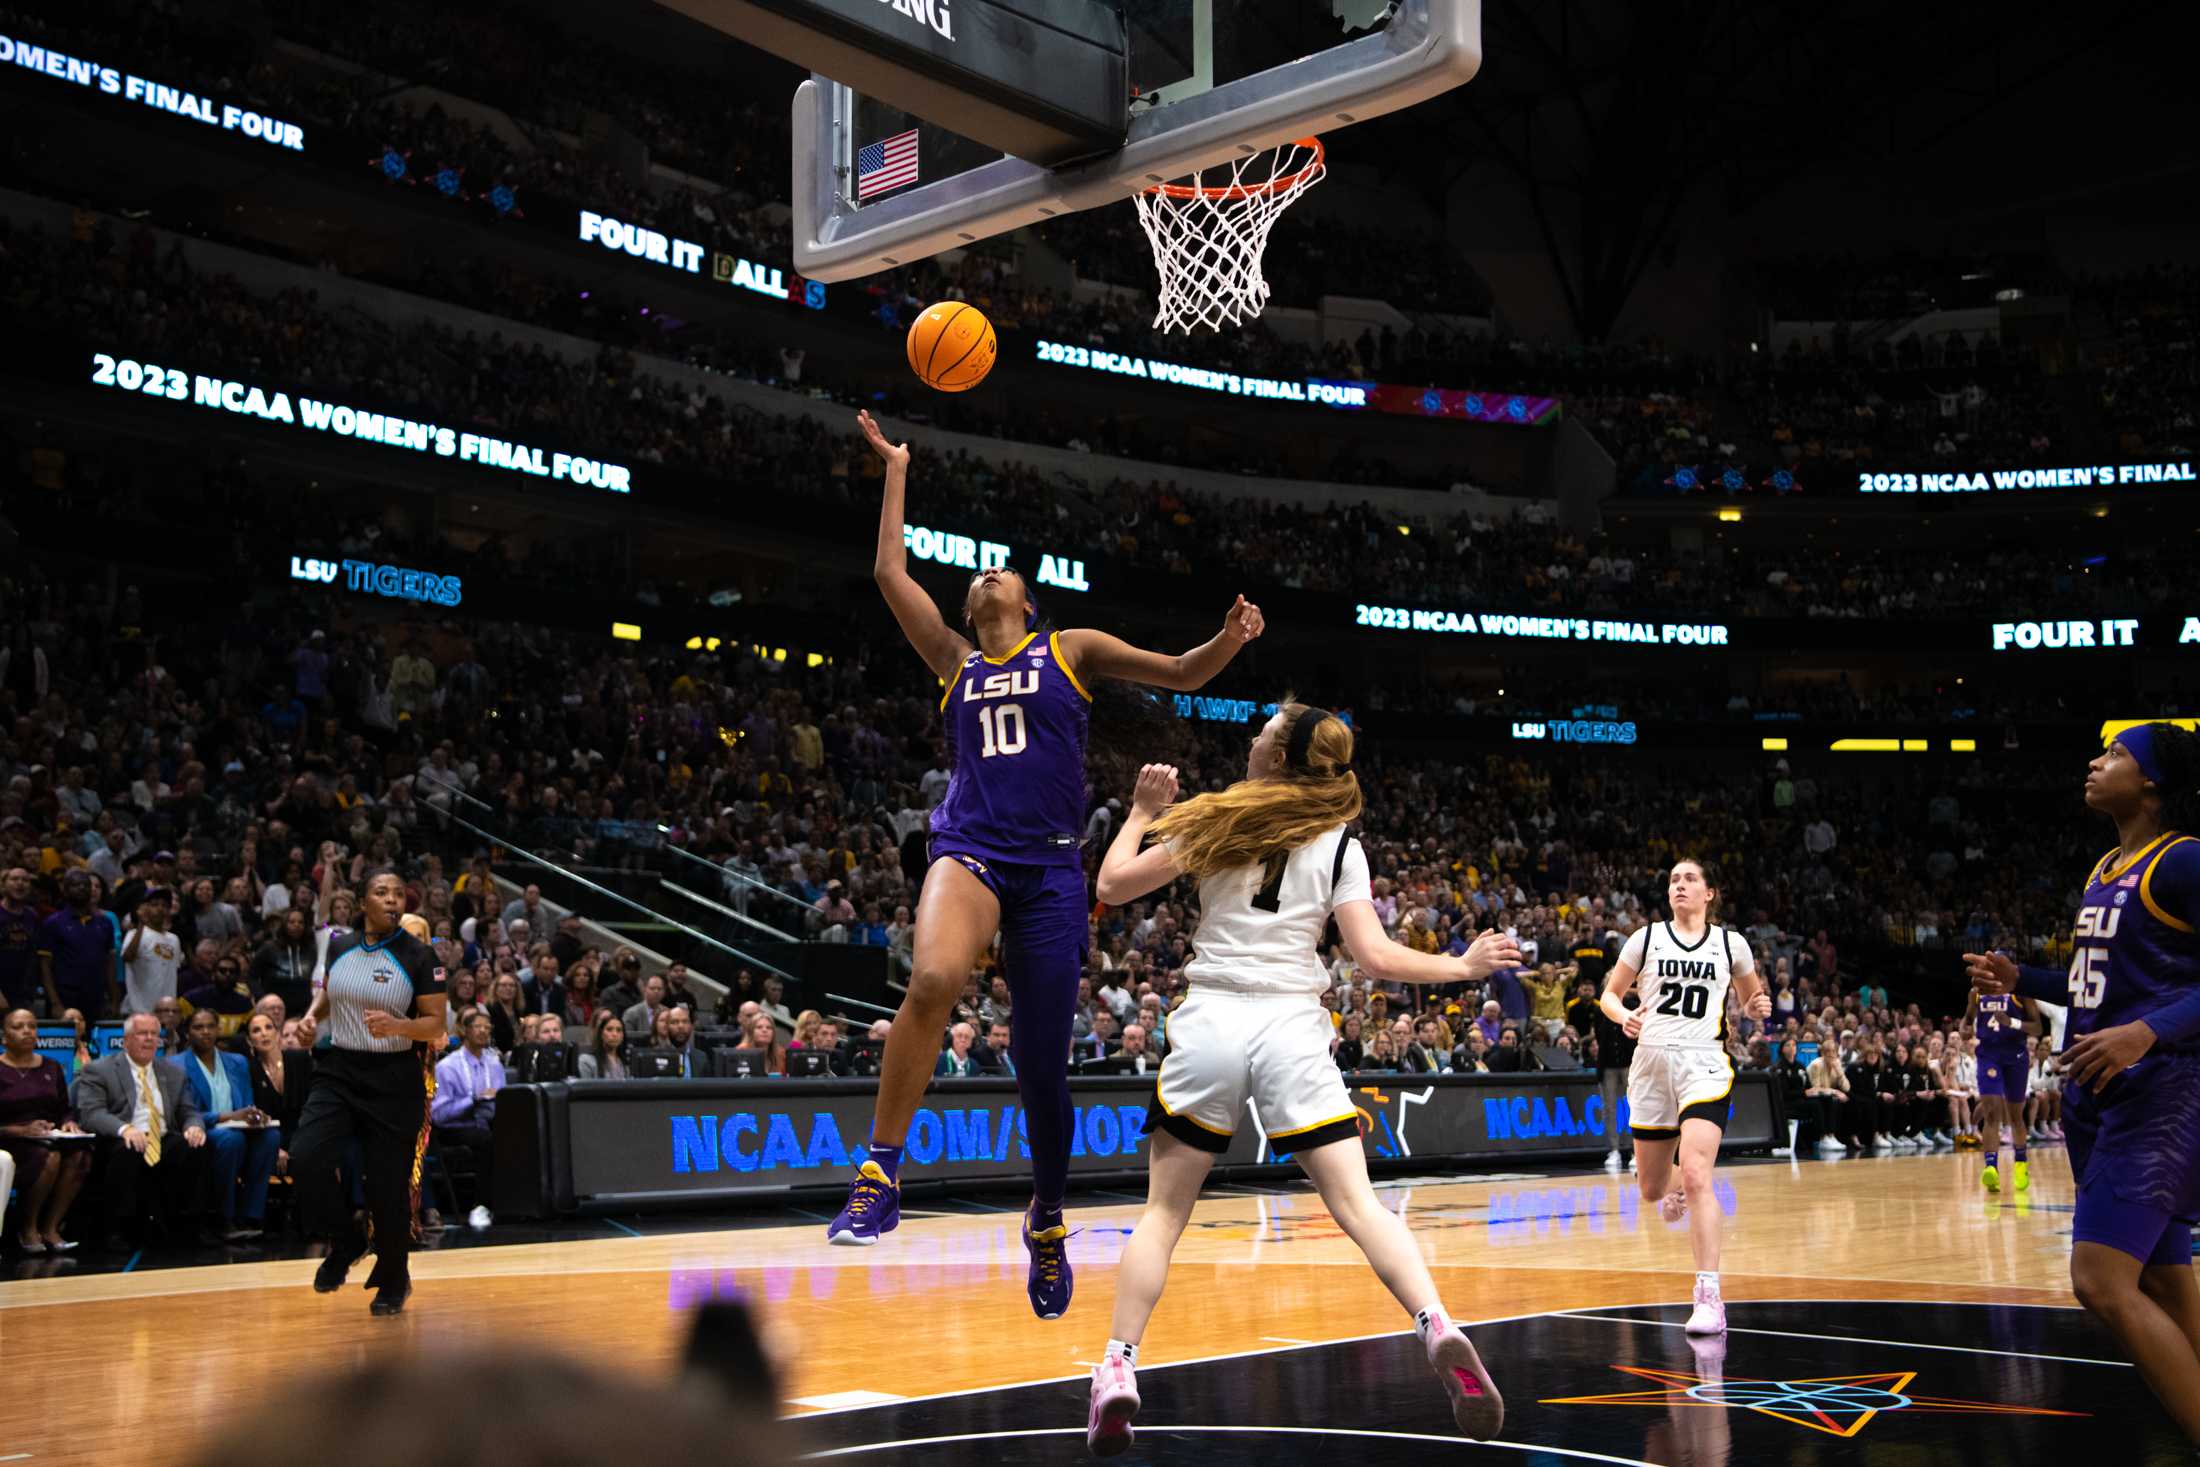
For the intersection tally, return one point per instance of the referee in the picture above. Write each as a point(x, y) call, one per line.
point(384, 1006)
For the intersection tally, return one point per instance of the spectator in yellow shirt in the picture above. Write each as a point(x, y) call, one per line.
point(1547, 999)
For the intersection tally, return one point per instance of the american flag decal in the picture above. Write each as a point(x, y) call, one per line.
point(886, 165)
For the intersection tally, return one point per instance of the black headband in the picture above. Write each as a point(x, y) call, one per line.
point(1302, 738)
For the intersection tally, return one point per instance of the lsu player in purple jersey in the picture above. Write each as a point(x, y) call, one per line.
point(2003, 1023)
point(2131, 1099)
point(1006, 859)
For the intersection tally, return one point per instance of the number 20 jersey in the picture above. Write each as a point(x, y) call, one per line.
point(2135, 949)
point(1684, 985)
point(1016, 733)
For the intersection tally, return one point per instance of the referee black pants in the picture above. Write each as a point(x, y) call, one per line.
point(380, 1101)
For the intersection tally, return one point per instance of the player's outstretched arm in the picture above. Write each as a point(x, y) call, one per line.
point(942, 650)
point(1126, 872)
point(1997, 973)
point(1097, 654)
point(1387, 961)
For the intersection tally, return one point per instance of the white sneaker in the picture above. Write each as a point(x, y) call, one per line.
point(1709, 1315)
point(1114, 1402)
point(1611, 1161)
point(479, 1219)
point(1476, 1407)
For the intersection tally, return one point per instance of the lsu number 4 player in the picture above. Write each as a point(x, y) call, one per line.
point(1678, 1092)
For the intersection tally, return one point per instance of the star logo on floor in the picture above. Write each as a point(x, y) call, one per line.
point(1838, 1405)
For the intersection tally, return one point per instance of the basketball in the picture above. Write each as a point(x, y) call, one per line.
point(952, 347)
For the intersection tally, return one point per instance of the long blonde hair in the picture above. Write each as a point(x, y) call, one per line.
point(1262, 821)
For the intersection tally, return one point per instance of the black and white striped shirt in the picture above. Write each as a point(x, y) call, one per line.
point(391, 975)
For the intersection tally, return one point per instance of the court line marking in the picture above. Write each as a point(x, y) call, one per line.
point(1386, 1334)
point(1010, 1385)
point(1796, 1334)
point(1401, 1436)
point(1830, 1299)
point(847, 1398)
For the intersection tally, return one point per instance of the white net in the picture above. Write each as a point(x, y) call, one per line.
point(1208, 237)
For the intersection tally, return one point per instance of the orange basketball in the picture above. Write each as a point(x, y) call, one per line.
point(951, 346)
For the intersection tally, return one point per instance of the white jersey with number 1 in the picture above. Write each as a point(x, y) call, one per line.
point(1684, 984)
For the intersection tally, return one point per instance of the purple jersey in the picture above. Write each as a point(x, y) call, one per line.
point(2001, 1024)
point(2136, 948)
point(1016, 725)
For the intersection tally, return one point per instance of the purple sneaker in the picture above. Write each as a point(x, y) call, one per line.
point(874, 1207)
point(1050, 1280)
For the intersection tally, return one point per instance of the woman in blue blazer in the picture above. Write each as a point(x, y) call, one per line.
point(242, 1138)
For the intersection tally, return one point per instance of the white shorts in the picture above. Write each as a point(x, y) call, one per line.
point(1228, 1048)
point(1667, 1086)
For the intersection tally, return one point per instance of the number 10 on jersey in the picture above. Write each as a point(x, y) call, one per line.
point(1003, 729)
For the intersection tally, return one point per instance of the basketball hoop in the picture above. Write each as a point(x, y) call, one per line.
point(1208, 239)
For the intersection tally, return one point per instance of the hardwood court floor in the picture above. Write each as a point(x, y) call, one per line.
point(939, 1307)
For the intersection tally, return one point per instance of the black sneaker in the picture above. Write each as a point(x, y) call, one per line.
point(330, 1276)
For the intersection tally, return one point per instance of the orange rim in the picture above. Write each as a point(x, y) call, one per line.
point(1246, 190)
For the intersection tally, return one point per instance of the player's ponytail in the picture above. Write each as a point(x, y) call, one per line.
point(1262, 821)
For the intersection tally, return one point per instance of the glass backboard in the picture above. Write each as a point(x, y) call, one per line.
point(1211, 80)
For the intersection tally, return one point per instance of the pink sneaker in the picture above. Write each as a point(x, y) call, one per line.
point(1476, 1407)
point(1673, 1206)
point(1709, 1315)
point(1114, 1402)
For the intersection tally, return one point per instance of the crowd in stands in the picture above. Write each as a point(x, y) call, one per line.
point(186, 795)
point(1804, 416)
point(126, 289)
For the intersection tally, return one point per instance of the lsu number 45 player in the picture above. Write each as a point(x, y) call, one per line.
point(1679, 1089)
point(2131, 1061)
point(1251, 1040)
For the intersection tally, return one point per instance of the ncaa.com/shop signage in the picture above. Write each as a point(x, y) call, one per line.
point(671, 1138)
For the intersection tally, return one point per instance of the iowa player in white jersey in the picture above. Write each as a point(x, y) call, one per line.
point(1274, 864)
point(1677, 1094)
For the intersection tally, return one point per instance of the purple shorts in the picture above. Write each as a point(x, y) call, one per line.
point(2135, 1150)
point(2004, 1076)
point(1046, 925)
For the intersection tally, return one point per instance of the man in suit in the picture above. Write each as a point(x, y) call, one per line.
point(548, 1058)
point(690, 1062)
point(1132, 1059)
point(995, 1059)
point(1420, 1046)
point(1100, 1043)
point(641, 1018)
point(143, 1102)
